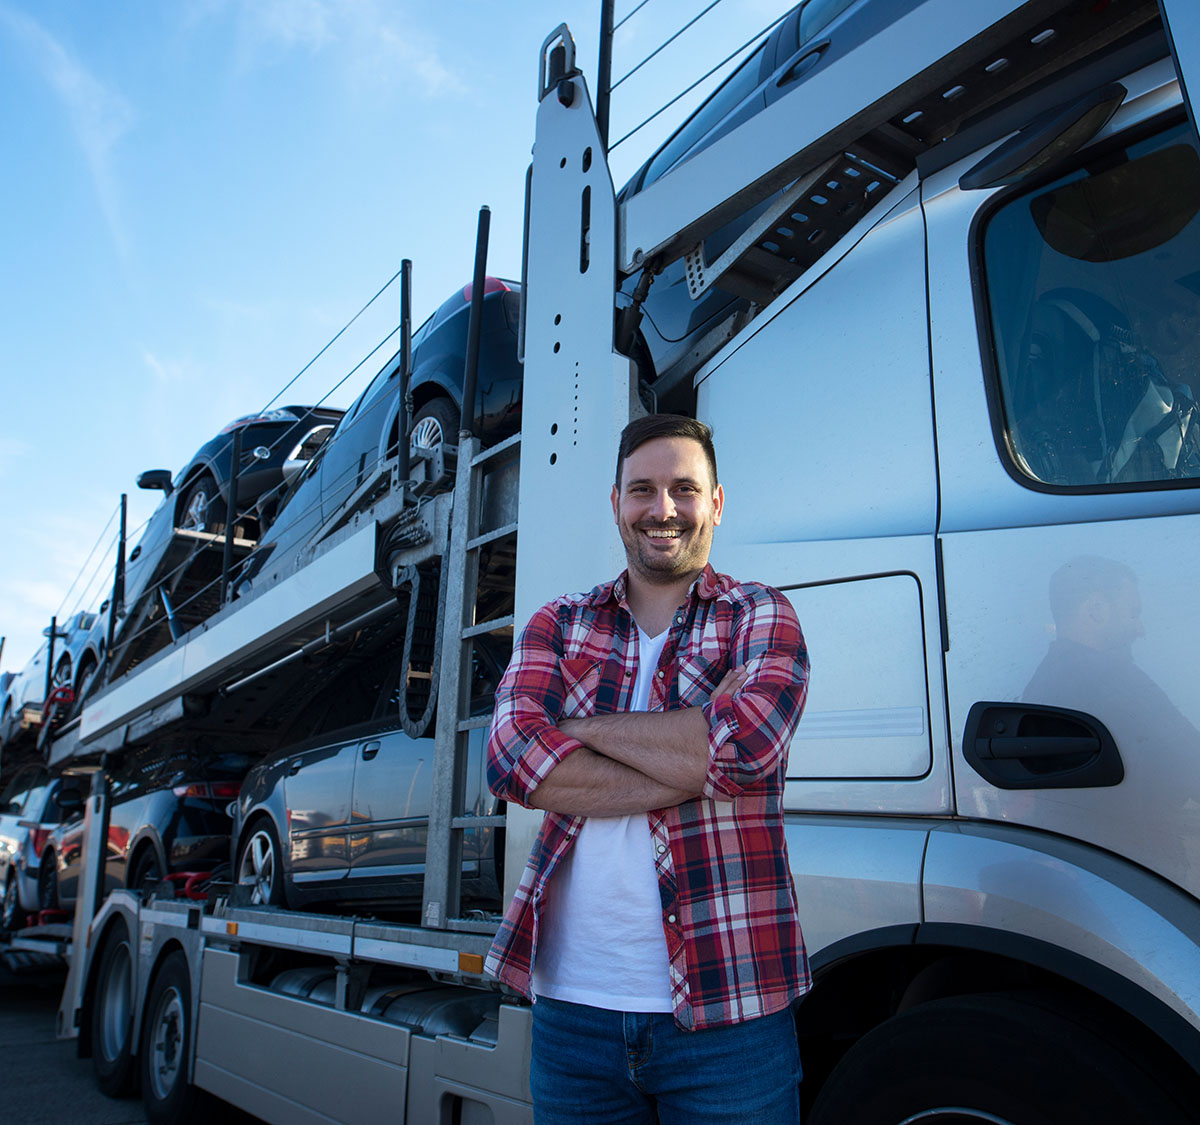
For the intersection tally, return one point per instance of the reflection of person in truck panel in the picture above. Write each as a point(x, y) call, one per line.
point(1089, 667)
point(656, 926)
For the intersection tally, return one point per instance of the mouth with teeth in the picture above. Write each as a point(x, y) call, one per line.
point(662, 533)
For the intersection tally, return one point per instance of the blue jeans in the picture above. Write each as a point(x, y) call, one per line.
point(596, 1067)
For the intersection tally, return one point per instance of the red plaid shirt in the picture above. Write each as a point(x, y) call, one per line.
point(729, 907)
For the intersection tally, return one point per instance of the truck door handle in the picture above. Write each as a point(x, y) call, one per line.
point(1032, 746)
point(294, 768)
point(369, 750)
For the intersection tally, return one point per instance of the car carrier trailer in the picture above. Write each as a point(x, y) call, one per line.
point(998, 889)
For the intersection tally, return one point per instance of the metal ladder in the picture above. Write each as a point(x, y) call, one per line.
point(449, 819)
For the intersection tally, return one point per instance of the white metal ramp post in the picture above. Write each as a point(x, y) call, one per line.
point(578, 395)
point(92, 886)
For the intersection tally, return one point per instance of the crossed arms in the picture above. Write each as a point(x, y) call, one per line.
point(617, 764)
point(631, 762)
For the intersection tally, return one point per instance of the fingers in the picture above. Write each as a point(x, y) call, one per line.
point(731, 681)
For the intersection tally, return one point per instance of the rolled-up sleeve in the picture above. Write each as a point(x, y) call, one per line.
point(525, 743)
point(750, 730)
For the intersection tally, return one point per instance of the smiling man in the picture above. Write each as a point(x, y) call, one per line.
point(655, 927)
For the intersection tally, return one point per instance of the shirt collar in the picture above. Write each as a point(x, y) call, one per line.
point(706, 587)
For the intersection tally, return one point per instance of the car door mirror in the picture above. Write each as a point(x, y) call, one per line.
point(69, 799)
point(156, 480)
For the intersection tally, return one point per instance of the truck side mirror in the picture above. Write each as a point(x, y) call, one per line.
point(156, 479)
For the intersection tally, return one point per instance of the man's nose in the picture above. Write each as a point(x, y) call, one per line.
point(664, 506)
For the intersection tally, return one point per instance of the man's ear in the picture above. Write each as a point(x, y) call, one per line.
point(718, 504)
point(616, 516)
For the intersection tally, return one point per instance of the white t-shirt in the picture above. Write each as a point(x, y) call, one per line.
point(601, 939)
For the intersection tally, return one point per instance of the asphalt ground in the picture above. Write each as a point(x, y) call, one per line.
point(42, 1082)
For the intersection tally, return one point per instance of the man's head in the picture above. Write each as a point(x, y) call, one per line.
point(666, 500)
point(1095, 602)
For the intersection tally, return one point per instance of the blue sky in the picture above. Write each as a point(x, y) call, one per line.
point(200, 193)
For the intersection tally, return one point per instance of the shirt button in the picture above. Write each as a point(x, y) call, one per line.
point(670, 917)
point(628, 671)
point(659, 674)
point(662, 848)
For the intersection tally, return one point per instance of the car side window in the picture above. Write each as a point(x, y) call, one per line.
point(818, 15)
point(1093, 296)
point(16, 795)
point(736, 88)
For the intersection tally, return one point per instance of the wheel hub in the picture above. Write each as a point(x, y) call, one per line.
point(168, 1036)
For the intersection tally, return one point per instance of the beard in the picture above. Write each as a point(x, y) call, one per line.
point(662, 565)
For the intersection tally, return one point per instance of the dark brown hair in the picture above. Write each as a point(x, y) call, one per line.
point(642, 430)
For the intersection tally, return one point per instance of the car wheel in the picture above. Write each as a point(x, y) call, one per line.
point(112, 1015)
point(167, 1095)
point(62, 674)
point(47, 884)
point(203, 509)
point(1009, 1059)
point(83, 682)
point(259, 866)
point(12, 917)
point(436, 423)
point(144, 871)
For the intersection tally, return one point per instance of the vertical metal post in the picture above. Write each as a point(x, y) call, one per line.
point(93, 868)
point(404, 414)
point(116, 607)
point(231, 514)
point(604, 71)
point(475, 324)
point(50, 662)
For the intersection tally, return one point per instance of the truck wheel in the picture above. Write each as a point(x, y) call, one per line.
point(434, 424)
point(12, 917)
point(259, 865)
point(165, 1057)
point(112, 1015)
point(203, 509)
point(1009, 1059)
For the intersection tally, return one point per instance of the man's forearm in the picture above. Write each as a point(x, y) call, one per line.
point(669, 747)
point(585, 783)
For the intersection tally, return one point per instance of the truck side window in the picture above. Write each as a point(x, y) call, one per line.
point(1093, 288)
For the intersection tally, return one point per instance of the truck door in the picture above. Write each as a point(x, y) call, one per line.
point(822, 420)
point(1065, 320)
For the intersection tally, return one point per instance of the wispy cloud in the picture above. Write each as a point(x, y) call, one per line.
point(164, 370)
point(374, 44)
point(11, 450)
point(99, 114)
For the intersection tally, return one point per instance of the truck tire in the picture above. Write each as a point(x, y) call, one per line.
point(168, 1097)
point(112, 1015)
point(259, 864)
point(1004, 1058)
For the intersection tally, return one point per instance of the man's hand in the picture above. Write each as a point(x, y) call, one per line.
point(593, 781)
point(669, 747)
